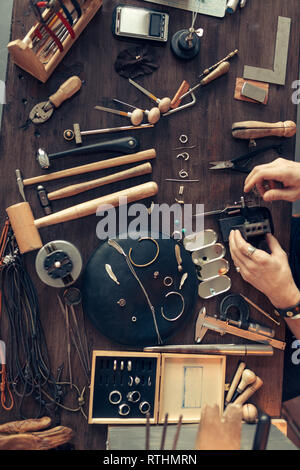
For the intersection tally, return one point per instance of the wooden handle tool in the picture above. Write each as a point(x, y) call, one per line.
point(65, 91)
point(74, 189)
point(257, 129)
point(235, 382)
point(216, 73)
point(25, 228)
point(244, 397)
point(95, 166)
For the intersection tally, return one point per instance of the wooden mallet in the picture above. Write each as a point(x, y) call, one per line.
point(25, 228)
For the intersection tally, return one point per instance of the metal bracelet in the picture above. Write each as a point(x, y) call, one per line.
point(150, 262)
point(180, 313)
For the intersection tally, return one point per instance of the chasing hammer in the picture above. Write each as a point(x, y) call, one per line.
point(90, 167)
point(123, 145)
point(25, 228)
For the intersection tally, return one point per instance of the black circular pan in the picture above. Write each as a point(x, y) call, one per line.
point(133, 323)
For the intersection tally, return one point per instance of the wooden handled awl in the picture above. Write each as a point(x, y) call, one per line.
point(74, 189)
point(25, 228)
point(41, 112)
point(216, 73)
point(256, 129)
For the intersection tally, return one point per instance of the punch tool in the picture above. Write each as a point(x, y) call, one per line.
point(240, 163)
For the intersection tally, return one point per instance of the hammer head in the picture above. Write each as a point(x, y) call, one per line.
point(42, 158)
point(22, 222)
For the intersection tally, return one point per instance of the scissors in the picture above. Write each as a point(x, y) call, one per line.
point(239, 163)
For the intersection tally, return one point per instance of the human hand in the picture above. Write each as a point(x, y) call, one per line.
point(265, 177)
point(269, 273)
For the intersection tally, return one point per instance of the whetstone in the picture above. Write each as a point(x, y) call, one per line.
point(278, 74)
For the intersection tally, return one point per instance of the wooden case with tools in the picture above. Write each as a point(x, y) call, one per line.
point(23, 54)
point(125, 386)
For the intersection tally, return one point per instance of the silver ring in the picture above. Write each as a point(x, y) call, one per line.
point(124, 409)
point(238, 269)
point(183, 138)
point(134, 396)
point(251, 249)
point(118, 397)
point(130, 381)
point(129, 366)
point(183, 174)
point(115, 365)
point(144, 407)
point(168, 281)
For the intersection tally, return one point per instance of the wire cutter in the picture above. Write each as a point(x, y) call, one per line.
point(239, 163)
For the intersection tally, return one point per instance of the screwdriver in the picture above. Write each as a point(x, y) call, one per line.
point(216, 73)
point(164, 104)
point(136, 116)
point(153, 114)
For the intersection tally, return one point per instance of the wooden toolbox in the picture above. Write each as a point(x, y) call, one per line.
point(134, 383)
point(32, 59)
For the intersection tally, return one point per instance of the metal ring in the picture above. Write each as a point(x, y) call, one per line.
point(184, 155)
point(168, 281)
point(119, 397)
point(183, 174)
point(251, 250)
point(182, 310)
point(122, 365)
point(124, 409)
point(183, 139)
point(115, 365)
point(129, 366)
point(130, 381)
point(144, 407)
point(150, 262)
point(134, 396)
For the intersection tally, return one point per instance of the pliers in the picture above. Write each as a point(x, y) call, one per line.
point(239, 163)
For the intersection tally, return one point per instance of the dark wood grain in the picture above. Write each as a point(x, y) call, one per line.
point(207, 125)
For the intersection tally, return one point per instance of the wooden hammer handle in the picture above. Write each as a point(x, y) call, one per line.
point(257, 129)
point(74, 189)
point(66, 90)
point(89, 167)
point(135, 193)
point(241, 399)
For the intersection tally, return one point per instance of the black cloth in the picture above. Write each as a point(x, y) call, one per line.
point(136, 61)
point(291, 375)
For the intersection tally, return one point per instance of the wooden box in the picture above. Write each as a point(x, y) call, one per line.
point(177, 384)
point(32, 61)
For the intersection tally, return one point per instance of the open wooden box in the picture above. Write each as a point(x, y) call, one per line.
point(177, 384)
point(23, 55)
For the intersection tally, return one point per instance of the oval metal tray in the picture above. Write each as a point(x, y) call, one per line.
point(213, 269)
point(200, 240)
point(208, 254)
point(213, 287)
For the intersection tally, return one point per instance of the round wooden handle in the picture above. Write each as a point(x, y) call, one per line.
point(235, 382)
point(249, 392)
point(257, 129)
point(135, 193)
point(74, 189)
point(216, 73)
point(66, 90)
point(248, 377)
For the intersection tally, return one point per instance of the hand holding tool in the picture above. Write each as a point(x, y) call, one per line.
point(41, 112)
point(163, 103)
point(124, 145)
point(256, 129)
point(25, 228)
point(136, 116)
point(239, 163)
point(222, 69)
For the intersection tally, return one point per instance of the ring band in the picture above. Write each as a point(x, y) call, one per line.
point(144, 407)
point(251, 250)
point(134, 396)
point(124, 409)
point(118, 397)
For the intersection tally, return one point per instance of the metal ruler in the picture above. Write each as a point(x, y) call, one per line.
point(204, 7)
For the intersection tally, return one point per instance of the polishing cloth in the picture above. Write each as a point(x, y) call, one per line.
point(135, 62)
point(132, 323)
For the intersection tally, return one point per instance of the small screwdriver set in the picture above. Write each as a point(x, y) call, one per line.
point(59, 24)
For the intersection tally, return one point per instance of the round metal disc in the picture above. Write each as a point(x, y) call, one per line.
point(70, 252)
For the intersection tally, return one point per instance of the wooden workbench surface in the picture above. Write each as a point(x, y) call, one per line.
point(207, 125)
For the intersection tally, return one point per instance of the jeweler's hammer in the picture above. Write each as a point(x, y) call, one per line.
point(25, 228)
point(123, 145)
